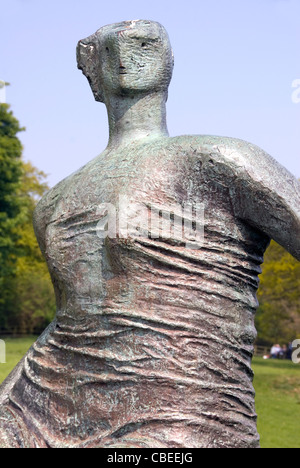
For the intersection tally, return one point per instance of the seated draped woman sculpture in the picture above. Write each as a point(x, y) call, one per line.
point(153, 338)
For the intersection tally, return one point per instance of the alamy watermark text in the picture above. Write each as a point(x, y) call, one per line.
point(296, 352)
point(296, 92)
point(180, 223)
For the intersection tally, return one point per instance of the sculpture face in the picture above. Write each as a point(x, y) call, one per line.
point(129, 58)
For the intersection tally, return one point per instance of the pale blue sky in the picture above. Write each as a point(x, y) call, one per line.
point(235, 62)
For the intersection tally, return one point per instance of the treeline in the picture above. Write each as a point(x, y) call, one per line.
point(27, 303)
point(278, 317)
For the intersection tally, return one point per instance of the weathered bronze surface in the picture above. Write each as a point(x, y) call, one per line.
point(153, 339)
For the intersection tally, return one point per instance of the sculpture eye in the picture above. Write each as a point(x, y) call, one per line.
point(107, 50)
point(144, 44)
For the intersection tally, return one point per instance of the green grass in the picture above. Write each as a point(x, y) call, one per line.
point(15, 350)
point(277, 385)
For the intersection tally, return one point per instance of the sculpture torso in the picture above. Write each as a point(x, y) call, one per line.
point(144, 326)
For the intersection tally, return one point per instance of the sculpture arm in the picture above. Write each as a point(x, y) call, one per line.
point(267, 196)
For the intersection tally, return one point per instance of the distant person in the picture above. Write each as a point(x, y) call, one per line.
point(289, 351)
point(283, 352)
point(275, 351)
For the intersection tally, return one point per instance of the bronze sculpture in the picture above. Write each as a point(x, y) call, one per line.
point(153, 339)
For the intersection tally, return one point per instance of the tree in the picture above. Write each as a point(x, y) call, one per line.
point(27, 298)
point(10, 178)
point(30, 302)
point(278, 317)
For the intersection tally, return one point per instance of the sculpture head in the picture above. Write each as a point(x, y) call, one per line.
point(127, 59)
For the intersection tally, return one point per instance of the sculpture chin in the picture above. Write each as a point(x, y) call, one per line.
point(124, 89)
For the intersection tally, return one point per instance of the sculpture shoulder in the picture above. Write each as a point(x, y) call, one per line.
point(46, 209)
point(263, 193)
point(243, 158)
point(244, 161)
point(46, 206)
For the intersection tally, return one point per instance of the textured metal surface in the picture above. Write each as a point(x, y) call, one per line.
point(152, 342)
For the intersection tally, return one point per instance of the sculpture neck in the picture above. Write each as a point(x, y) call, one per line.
point(134, 118)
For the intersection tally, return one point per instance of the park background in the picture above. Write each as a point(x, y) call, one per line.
point(236, 74)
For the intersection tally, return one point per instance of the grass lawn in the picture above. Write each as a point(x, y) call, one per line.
point(15, 350)
point(277, 385)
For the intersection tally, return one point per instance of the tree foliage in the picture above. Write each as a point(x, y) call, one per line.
point(10, 178)
point(30, 304)
point(278, 317)
point(27, 300)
